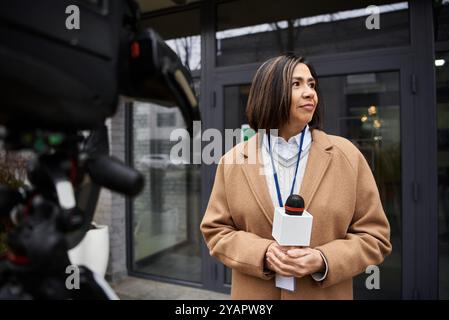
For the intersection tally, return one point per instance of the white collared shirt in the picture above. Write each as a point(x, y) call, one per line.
point(285, 155)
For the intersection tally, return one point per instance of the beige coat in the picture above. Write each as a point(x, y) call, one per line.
point(349, 225)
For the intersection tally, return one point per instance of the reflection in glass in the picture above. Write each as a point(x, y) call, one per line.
point(166, 237)
point(441, 19)
point(228, 276)
point(189, 51)
point(307, 28)
point(183, 38)
point(365, 109)
point(442, 80)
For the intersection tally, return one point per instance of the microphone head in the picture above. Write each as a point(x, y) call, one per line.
point(294, 205)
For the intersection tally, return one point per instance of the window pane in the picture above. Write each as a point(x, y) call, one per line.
point(235, 99)
point(166, 119)
point(442, 74)
point(308, 28)
point(183, 38)
point(166, 215)
point(441, 17)
point(228, 276)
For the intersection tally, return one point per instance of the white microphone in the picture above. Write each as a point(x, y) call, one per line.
point(292, 226)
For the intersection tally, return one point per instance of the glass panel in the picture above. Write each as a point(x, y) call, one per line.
point(442, 75)
point(228, 276)
point(235, 99)
point(441, 18)
point(166, 214)
point(308, 28)
point(365, 109)
point(184, 39)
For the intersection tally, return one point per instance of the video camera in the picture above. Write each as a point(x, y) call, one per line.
point(57, 83)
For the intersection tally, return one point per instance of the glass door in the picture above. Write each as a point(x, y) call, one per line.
point(365, 108)
point(166, 240)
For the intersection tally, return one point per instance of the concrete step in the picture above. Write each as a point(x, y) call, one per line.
point(132, 288)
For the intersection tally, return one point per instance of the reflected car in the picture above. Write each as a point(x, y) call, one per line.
point(154, 161)
point(159, 161)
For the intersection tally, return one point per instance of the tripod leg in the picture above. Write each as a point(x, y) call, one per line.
point(93, 286)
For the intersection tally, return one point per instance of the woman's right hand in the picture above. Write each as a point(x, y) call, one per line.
point(293, 261)
point(275, 259)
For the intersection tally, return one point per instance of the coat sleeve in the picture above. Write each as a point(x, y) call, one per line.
point(367, 241)
point(237, 249)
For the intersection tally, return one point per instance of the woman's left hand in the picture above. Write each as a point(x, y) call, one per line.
point(304, 261)
point(307, 260)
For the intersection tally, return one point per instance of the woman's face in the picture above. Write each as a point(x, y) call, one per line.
point(304, 96)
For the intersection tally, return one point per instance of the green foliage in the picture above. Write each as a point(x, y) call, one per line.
point(2, 241)
point(6, 178)
point(12, 174)
point(12, 169)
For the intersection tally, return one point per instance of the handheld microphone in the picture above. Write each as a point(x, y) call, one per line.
point(294, 205)
point(292, 226)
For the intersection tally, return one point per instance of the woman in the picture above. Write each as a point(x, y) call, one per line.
point(350, 230)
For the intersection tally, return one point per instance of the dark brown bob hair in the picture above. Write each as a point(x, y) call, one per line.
point(271, 91)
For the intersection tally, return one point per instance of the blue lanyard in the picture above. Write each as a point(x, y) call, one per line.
point(281, 204)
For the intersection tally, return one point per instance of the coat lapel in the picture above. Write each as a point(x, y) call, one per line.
point(255, 177)
point(317, 164)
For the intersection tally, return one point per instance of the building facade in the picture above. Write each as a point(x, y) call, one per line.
point(383, 70)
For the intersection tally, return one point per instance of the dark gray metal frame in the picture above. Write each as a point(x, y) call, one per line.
point(418, 143)
point(442, 47)
point(426, 175)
